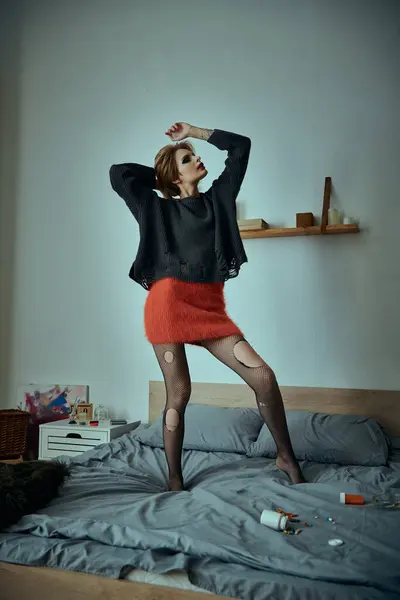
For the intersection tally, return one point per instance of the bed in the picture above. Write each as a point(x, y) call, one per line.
point(113, 522)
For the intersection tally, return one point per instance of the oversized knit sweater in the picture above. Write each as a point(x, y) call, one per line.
point(193, 239)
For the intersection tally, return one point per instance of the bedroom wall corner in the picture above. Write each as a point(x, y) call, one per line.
point(9, 132)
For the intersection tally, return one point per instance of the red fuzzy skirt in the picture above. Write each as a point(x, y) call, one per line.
point(182, 312)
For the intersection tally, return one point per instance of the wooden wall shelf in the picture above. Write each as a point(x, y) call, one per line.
point(323, 229)
point(297, 231)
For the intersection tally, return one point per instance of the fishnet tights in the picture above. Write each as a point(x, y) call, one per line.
point(239, 356)
point(173, 363)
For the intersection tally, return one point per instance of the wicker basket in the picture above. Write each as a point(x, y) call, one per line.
point(13, 432)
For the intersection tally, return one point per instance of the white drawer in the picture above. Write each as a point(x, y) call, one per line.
point(54, 442)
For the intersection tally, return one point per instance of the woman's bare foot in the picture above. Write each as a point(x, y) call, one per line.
point(291, 468)
point(175, 484)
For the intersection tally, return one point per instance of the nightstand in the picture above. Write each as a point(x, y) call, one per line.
point(59, 437)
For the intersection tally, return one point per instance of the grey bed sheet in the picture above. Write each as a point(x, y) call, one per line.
point(113, 515)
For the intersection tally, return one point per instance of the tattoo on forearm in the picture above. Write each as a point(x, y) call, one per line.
point(200, 133)
point(204, 134)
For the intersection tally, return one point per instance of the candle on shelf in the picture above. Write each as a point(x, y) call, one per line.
point(333, 216)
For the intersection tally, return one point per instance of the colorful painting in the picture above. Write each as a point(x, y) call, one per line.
point(51, 401)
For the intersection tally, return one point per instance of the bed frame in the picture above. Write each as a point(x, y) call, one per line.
point(384, 405)
point(20, 582)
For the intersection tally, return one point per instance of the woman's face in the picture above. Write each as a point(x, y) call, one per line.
point(190, 168)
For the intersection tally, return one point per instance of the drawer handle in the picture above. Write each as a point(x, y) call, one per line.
point(74, 435)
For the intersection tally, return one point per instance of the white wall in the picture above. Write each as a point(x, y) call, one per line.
point(314, 83)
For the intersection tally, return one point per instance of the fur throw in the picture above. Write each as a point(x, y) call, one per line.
point(27, 487)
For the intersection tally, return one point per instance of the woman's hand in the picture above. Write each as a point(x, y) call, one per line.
point(178, 131)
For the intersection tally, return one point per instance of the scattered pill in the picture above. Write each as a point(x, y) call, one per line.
point(336, 542)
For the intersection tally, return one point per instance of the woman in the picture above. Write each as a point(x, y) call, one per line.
point(189, 246)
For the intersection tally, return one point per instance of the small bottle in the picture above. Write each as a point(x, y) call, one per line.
point(101, 414)
point(351, 498)
point(274, 520)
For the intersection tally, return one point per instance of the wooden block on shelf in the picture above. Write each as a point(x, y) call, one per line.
point(252, 224)
point(304, 219)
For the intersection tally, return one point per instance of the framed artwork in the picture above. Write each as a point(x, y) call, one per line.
point(51, 401)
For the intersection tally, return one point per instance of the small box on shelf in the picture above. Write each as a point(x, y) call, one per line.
point(252, 224)
point(304, 219)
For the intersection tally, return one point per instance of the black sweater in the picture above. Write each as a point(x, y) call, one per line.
point(194, 239)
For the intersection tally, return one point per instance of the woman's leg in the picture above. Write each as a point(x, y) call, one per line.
point(175, 370)
point(237, 354)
